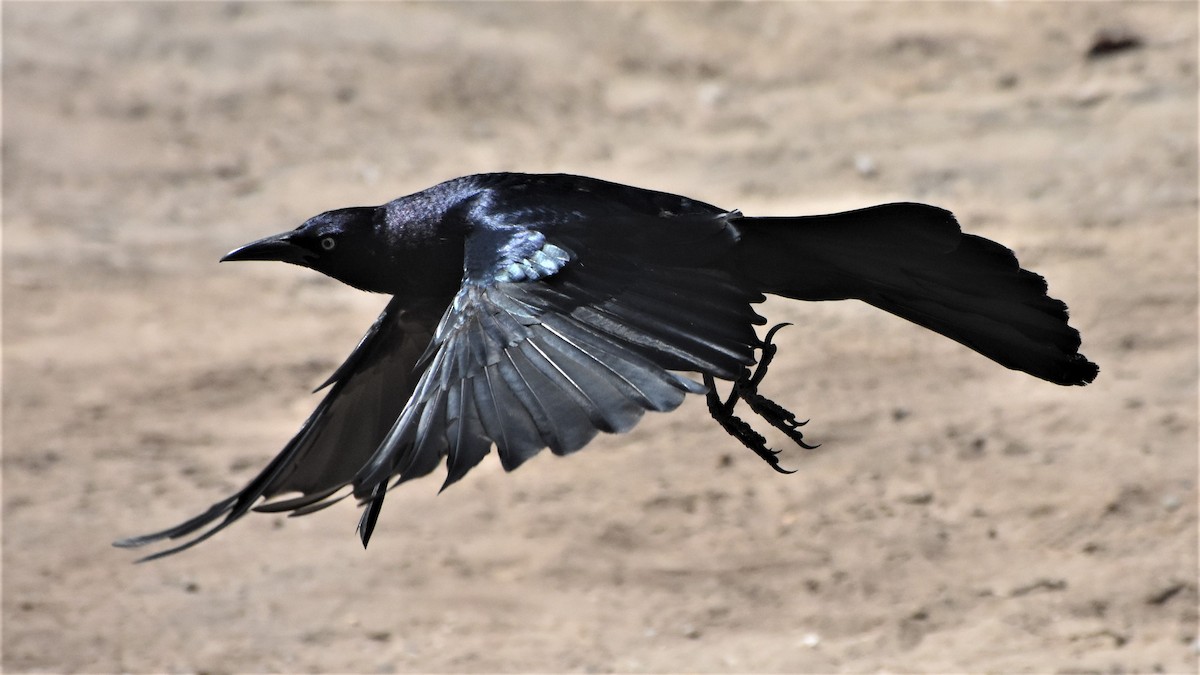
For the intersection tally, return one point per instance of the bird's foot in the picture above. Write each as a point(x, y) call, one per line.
point(722, 412)
point(776, 415)
point(745, 388)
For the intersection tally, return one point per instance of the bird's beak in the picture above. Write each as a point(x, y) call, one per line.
point(275, 247)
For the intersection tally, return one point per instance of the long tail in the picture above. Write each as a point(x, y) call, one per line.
point(914, 261)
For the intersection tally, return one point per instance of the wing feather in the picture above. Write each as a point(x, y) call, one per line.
point(549, 363)
point(367, 393)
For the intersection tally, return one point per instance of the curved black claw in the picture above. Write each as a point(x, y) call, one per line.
point(775, 329)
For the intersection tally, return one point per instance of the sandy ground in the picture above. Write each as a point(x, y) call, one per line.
point(957, 517)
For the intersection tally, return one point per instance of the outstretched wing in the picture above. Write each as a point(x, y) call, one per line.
point(367, 394)
point(569, 322)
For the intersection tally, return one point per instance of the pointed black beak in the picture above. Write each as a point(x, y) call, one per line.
point(275, 247)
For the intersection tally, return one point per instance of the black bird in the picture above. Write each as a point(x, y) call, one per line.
point(532, 311)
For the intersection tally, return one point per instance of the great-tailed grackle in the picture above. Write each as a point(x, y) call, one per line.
point(532, 311)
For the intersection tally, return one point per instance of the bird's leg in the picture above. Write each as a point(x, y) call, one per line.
point(745, 388)
point(776, 415)
point(722, 412)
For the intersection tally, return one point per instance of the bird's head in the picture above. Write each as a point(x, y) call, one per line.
point(344, 244)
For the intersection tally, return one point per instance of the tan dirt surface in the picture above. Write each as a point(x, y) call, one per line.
point(958, 516)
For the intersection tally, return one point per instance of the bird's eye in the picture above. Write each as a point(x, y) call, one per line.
point(328, 243)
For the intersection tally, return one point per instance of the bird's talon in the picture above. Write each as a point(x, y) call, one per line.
point(774, 329)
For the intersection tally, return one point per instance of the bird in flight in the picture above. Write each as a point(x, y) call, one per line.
point(532, 311)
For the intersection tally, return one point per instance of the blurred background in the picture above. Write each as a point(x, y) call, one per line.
point(957, 516)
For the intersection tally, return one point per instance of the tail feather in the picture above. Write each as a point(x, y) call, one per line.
point(914, 261)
